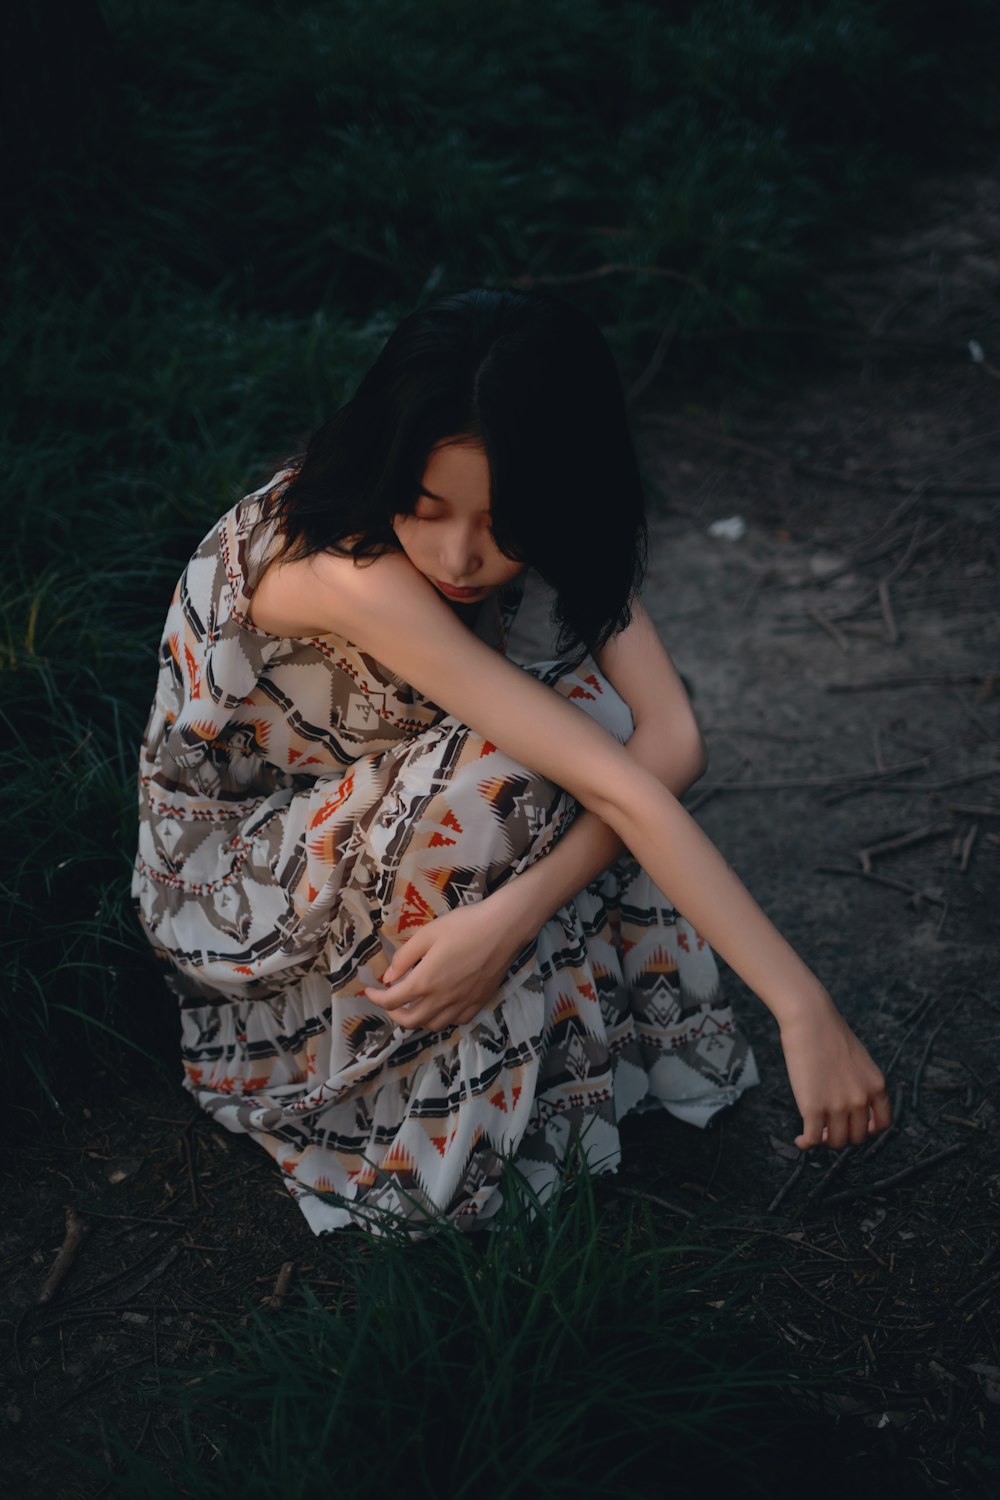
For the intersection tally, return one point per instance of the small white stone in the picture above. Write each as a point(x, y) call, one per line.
point(730, 528)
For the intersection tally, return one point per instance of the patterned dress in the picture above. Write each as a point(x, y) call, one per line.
point(302, 812)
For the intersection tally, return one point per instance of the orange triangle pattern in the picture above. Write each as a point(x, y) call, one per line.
point(442, 1142)
point(660, 961)
point(204, 729)
point(416, 912)
point(331, 804)
point(365, 1176)
point(492, 788)
point(194, 676)
point(398, 1160)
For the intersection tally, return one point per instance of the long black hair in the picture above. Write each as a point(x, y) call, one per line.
point(531, 378)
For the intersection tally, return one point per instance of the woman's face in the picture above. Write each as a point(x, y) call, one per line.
point(448, 538)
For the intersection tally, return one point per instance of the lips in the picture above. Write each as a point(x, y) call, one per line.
point(453, 593)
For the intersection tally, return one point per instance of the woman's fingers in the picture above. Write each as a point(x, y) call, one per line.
point(845, 1127)
point(430, 1014)
point(405, 956)
point(812, 1132)
point(403, 992)
point(881, 1111)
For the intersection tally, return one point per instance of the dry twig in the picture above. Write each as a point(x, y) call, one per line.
point(75, 1231)
point(706, 792)
point(277, 1298)
point(827, 624)
point(897, 1177)
point(966, 850)
point(921, 1065)
point(891, 629)
point(896, 885)
point(936, 679)
point(787, 1185)
point(630, 1192)
point(930, 830)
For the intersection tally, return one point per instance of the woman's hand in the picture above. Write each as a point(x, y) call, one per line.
point(450, 969)
point(839, 1090)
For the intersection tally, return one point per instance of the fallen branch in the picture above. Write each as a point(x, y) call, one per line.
point(963, 1121)
point(896, 885)
point(921, 1065)
point(891, 629)
point(850, 779)
point(839, 1164)
point(76, 1228)
point(898, 1177)
point(630, 1192)
point(911, 787)
point(150, 1276)
point(967, 844)
point(706, 792)
point(917, 1017)
point(788, 1184)
point(938, 679)
point(277, 1298)
point(931, 830)
point(827, 624)
point(970, 1296)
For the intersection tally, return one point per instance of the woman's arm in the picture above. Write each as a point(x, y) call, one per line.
point(666, 741)
point(389, 609)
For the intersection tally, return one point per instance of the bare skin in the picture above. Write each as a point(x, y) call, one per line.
point(397, 609)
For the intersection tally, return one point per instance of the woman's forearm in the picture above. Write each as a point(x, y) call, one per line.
point(647, 819)
point(588, 846)
point(698, 882)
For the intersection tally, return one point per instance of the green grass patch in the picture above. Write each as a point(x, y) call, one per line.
point(577, 1351)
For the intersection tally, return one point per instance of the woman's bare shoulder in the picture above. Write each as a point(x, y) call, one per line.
point(325, 593)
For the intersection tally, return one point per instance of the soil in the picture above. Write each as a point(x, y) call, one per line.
point(842, 644)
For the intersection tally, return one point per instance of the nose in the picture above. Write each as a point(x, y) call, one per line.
point(461, 555)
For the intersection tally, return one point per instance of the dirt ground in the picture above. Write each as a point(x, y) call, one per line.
point(844, 654)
